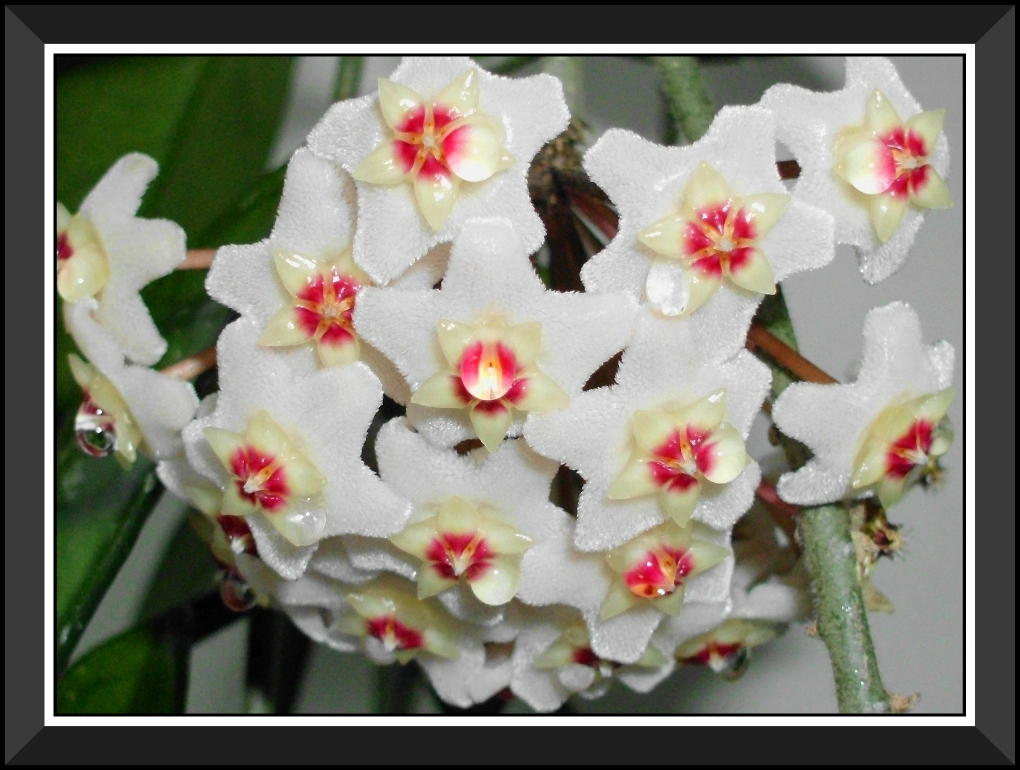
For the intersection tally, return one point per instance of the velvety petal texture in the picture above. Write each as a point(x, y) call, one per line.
point(809, 123)
point(658, 190)
point(313, 233)
point(490, 281)
point(663, 367)
point(833, 420)
point(130, 252)
point(324, 415)
point(159, 405)
point(487, 179)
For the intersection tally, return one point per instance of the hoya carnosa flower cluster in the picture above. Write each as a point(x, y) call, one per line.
point(400, 264)
point(105, 256)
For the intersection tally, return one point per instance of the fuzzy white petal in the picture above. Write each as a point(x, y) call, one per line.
point(391, 233)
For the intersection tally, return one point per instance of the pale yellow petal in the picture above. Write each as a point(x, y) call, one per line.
point(634, 480)
point(755, 273)
point(763, 210)
point(297, 272)
point(886, 213)
point(397, 102)
point(933, 194)
point(442, 390)
point(928, 126)
point(498, 584)
point(491, 423)
point(679, 503)
point(538, 392)
point(385, 165)
point(284, 329)
point(461, 95)
point(706, 188)
point(436, 193)
point(666, 236)
point(879, 114)
point(454, 336)
point(653, 428)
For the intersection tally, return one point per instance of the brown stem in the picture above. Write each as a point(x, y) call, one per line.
point(782, 513)
point(788, 169)
point(192, 366)
point(787, 357)
point(197, 259)
point(598, 213)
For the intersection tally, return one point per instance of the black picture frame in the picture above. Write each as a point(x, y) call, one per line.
point(29, 28)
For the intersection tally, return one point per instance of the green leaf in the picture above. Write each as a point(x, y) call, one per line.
point(100, 509)
point(142, 671)
point(209, 122)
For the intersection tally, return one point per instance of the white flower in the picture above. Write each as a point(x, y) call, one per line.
point(625, 440)
point(106, 252)
point(493, 344)
point(705, 230)
point(879, 433)
point(553, 659)
point(405, 205)
point(284, 443)
point(299, 286)
point(694, 561)
point(861, 163)
point(475, 518)
point(128, 408)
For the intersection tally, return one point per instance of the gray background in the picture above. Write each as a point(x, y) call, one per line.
point(919, 646)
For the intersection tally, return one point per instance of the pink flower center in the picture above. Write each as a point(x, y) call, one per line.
point(425, 138)
point(713, 650)
point(453, 554)
point(488, 370)
point(585, 656)
point(238, 534)
point(393, 634)
point(719, 239)
point(64, 250)
point(658, 573)
point(325, 309)
point(260, 478)
point(910, 156)
point(680, 458)
point(909, 450)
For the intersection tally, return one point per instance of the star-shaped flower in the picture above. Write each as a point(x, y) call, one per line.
point(518, 347)
point(880, 433)
point(284, 443)
point(665, 442)
point(443, 141)
point(474, 521)
point(862, 163)
point(300, 285)
point(553, 660)
point(592, 583)
point(705, 230)
point(106, 252)
point(127, 409)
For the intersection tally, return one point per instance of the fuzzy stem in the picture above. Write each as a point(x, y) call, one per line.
point(689, 101)
point(839, 605)
point(825, 540)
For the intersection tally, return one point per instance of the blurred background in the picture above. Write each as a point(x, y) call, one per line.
point(919, 645)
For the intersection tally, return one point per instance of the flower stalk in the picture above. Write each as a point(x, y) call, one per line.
point(824, 536)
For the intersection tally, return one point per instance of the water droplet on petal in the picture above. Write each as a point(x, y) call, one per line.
point(736, 664)
point(236, 593)
point(95, 430)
